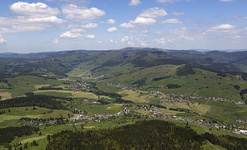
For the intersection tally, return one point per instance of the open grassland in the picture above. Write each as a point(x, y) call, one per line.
point(9, 123)
point(5, 95)
point(210, 146)
point(42, 139)
point(72, 94)
point(170, 112)
point(202, 83)
point(110, 89)
point(8, 117)
point(201, 129)
point(77, 74)
point(224, 112)
point(136, 96)
point(200, 109)
point(157, 71)
point(26, 84)
point(149, 73)
point(23, 111)
point(29, 112)
point(57, 93)
point(182, 105)
point(37, 86)
point(100, 109)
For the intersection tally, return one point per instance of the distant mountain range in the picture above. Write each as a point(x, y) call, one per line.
point(60, 63)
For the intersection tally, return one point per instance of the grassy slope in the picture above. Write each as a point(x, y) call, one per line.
point(203, 83)
point(25, 84)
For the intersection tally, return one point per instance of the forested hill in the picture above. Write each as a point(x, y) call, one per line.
point(152, 134)
point(59, 63)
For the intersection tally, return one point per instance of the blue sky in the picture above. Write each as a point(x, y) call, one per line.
point(55, 25)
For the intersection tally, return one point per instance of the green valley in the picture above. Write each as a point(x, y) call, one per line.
point(105, 93)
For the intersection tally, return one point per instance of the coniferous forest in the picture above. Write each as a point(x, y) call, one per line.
point(154, 134)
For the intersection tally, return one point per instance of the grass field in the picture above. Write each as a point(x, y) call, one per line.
point(9, 123)
point(136, 96)
point(210, 146)
point(41, 139)
point(5, 95)
point(203, 83)
point(224, 111)
point(100, 109)
point(26, 84)
point(72, 94)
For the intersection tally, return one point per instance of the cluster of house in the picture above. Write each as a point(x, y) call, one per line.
point(80, 115)
point(155, 113)
point(42, 121)
point(171, 97)
point(217, 99)
point(242, 121)
point(90, 76)
point(79, 86)
point(119, 86)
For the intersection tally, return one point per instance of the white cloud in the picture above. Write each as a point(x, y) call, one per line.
point(51, 19)
point(71, 35)
point(222, 28)
point(25, 28)
point(2, 40)
point(237, 37)
point(77, 30)
point(5, 30)
point(128, 40)
point(144, 21)
point(75, 35)
point(112, 29)
point(134, 2)
point(174, 37)
point(154, 12)
point(175, 21)
point(188, 38)
point(163, 40)
point(75, 12)
point(34, 9)
point(55, 41)
point(127, 25)
point(23, 24)
point(146, 18)
point(90, 36)
point(33, 17)
point(111, 21)
point(89, 25)
point(113, 41)
point(143, 43)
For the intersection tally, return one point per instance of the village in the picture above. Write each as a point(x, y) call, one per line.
point(163, 97)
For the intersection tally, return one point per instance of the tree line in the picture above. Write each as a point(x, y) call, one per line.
point(10, 133)
point(50, 102)
point(152, 134)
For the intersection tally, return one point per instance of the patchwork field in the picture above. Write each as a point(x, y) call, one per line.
point(5, 95)
point(72, 94)
point(136, 96)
